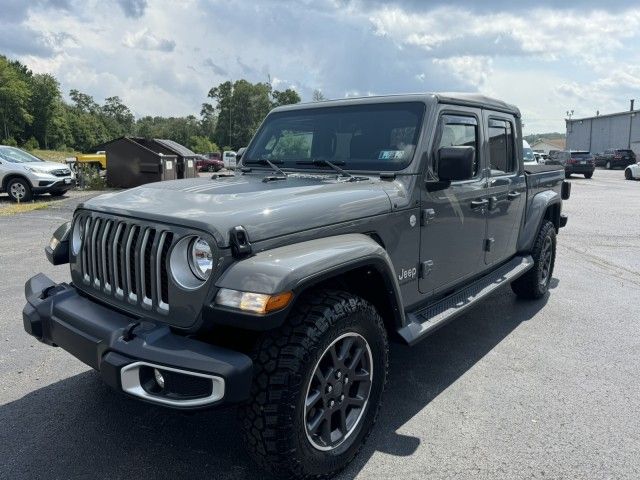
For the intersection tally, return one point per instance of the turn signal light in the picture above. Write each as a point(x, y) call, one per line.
point(260, 303)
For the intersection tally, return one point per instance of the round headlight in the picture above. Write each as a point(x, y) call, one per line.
point(201, 258)
point(76, 237)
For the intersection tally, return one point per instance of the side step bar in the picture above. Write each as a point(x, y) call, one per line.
point(426, 320)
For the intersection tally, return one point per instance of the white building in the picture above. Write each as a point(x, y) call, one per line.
point(599, 133)
point(544, 145)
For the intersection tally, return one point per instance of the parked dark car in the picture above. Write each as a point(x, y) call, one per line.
point(206, 164)
point(615, 157)
point(578, 161)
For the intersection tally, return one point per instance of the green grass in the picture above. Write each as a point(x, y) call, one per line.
point(53, 155)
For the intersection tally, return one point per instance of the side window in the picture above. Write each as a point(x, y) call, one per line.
point(501, 147)
point(460, 131)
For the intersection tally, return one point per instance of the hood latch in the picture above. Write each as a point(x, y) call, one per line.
point(240, 245)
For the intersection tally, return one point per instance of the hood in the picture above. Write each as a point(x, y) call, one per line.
point(265, 210)
point(46, 166)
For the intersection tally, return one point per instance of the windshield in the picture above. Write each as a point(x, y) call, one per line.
point(359, 137)
point(528, 155)
point(15, 155)
point(580, 155)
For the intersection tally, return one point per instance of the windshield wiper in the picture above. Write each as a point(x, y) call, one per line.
point(319, 162)
point(281, 175)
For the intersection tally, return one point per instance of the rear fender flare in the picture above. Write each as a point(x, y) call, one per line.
point(534, 217)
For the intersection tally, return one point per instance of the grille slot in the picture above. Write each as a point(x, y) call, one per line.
point(126, 260)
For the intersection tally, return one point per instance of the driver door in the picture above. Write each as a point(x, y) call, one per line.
point(454, 219)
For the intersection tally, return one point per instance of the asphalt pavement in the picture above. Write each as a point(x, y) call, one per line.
point(511, 390)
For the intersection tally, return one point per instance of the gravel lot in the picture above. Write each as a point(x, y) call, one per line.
point(513, 389)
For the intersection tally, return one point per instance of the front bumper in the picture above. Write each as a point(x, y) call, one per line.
point(44, 185)
point(127, 350)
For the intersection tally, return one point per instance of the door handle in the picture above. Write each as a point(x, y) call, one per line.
point(513, 195)
point(477, 204)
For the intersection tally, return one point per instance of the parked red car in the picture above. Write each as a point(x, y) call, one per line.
point(204, 164)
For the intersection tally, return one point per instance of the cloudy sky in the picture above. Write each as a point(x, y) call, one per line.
point(162, 56)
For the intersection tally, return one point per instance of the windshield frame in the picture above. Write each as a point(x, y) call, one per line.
point(22, 153)
point(250, 158)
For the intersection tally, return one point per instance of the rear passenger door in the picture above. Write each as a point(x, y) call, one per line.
point(507, 186)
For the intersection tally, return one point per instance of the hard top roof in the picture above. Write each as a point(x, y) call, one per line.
point(455, 98)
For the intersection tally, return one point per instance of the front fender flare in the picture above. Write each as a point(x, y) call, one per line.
point(296, 267)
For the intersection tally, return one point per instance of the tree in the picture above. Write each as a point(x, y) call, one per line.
point(45, 108)
point(221, 95)
point(118, 112)
point(240, 107)
point(286, 97)
point(14, 100)
point(200, 144)
point(318, 95)
point(83, 102)
point(208, 120)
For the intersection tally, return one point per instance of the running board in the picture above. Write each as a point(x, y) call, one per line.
point(428, 319)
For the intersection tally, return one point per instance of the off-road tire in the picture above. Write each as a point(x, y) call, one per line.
point(19, 186)
point(284, 362)
point(588, 175)
point(531, 285)
point(627, 174)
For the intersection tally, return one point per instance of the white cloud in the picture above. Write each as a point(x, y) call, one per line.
point(545, 60)
point(145, 40)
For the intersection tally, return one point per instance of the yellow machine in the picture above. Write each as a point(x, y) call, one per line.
point(96, 160)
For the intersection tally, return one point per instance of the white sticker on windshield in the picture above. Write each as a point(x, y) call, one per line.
point(391, 155)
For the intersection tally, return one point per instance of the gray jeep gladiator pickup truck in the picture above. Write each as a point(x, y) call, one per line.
point(277, 288)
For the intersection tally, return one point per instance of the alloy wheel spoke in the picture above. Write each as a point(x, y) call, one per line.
point(325, 433)
point(345, 348)
point(356, 401)
point(312, 399)
point(313, 426)
point(343, 420)
point(357, 356)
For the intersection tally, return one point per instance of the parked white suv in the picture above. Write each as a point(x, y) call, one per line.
point(23, 175)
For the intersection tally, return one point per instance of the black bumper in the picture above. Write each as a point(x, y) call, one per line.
point(579, 168)
point(107, 340)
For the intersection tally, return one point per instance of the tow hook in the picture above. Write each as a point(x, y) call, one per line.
point(128, 334)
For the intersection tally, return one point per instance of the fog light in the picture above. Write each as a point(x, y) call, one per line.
point(158, 377)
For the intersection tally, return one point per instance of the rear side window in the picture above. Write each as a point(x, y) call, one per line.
point(460, 131)
point(501, 147)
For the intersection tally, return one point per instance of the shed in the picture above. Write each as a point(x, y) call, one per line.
point(131, 162)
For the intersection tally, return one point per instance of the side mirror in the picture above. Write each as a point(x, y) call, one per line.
point(455, 163)
point(240, 152)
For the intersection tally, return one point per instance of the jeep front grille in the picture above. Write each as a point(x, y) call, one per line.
point(126, 260)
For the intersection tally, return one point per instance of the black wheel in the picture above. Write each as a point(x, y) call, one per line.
point(608, 165)
point(19, 190)
point(57, 193)
point(588, 175)
point(627, 174)
point(317, 389)
point(535, 283)
point(567, 175)
point(211, 168)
